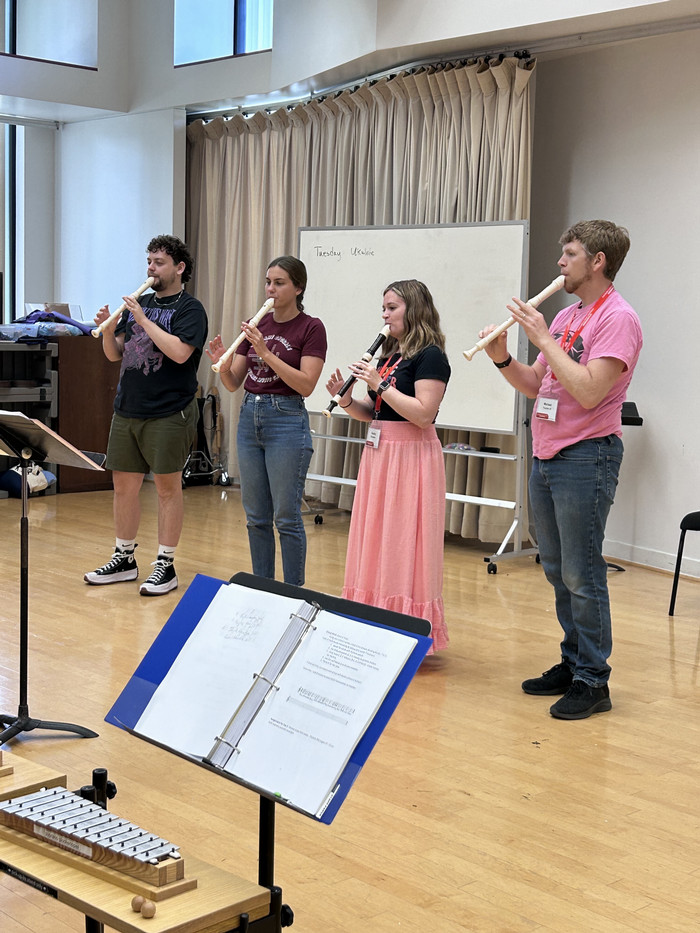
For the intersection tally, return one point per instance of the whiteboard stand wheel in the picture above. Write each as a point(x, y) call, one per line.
point(318, 519)
point(492, 568)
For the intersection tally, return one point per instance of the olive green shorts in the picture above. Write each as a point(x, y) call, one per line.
point(152, 445)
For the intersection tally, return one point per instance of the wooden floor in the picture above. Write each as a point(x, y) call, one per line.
point(477, 811)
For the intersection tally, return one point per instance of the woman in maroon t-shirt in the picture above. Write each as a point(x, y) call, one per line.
point(278, 364)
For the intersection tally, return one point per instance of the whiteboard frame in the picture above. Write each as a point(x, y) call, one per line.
point(456, 262)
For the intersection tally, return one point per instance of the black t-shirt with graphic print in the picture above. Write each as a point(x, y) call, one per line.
point(151, 385)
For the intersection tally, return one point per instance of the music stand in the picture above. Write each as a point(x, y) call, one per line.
point(267, 809)
point(164, 653)
point(30, 440)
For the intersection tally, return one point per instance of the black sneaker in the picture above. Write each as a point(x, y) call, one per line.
point(553, 682)
point(119, 569)
point(581, 700)
point(162, 580)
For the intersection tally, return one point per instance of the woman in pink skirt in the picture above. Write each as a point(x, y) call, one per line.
point(395, 545)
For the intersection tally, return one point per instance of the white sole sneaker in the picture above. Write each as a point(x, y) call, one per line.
point(150, 589)
point(102, 579)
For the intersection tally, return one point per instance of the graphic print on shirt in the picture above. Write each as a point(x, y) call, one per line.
point(576, 350)
point(139, 350)
point(261, 372)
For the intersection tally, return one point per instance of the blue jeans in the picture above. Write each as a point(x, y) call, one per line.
point(571, 496)
point(274, 451)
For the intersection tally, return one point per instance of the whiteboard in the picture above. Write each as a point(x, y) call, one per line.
point(472, 270)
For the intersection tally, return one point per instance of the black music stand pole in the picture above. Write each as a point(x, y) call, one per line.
point(27, 439)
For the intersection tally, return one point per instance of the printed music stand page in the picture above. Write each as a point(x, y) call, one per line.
point(300, 739)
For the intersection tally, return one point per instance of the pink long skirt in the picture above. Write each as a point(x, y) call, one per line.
point(396, 540)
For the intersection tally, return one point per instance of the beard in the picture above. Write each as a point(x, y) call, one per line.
point(572, 286)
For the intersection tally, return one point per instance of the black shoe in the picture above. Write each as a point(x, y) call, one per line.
point(581, 701)
point(162, 580)
point(119, 569)
point(553, 682)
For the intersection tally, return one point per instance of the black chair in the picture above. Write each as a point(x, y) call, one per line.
point(691, 522)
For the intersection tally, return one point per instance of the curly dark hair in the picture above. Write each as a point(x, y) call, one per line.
point(175, 248)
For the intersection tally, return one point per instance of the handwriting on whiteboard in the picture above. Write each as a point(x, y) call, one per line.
point(330, 252)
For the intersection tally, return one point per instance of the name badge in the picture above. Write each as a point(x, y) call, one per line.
point(546, 409)
point(373, 435)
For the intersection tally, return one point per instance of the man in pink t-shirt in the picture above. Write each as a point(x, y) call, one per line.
point(579, 382)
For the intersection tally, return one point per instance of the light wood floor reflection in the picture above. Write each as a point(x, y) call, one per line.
point(477, 811)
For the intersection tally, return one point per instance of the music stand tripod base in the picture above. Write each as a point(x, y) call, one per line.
point(23, 722)
point(29, 440)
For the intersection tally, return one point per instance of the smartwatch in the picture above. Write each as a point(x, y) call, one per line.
point(383, 386)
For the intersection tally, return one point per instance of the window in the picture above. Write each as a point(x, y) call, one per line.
point(220, 29)
point(52, 30)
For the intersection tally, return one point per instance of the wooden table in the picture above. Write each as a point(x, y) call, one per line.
point(18, 776)
point(214, 906)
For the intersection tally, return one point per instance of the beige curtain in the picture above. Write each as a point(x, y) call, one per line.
point(444, 144)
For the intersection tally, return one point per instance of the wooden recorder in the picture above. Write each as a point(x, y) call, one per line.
point(115, 315)
point(553, 287)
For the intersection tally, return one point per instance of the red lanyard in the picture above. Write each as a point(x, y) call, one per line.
point(568, 341)
point(385, 372)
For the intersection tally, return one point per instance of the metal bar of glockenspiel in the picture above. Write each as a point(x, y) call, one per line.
point(158, 855)
point(146, 845)
point(111, 829)
point(87, 821)
point(149, 844)
point(58, 811)
point(27, 807)
point(63, 814)
point(15, 803)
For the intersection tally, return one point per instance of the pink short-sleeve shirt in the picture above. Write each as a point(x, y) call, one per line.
point(613, 331)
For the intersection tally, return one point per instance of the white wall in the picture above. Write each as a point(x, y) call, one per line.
point(617, 136)
point(121, 182)
point(415, 22)
point(37, 163)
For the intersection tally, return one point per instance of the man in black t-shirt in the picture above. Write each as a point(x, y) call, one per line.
point(159, 343)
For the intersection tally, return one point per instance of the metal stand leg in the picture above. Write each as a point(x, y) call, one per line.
point(281, 915)
point(266, 843)
point(98, 792)
point(22, 722)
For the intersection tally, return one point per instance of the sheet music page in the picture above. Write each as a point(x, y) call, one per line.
point(214, 669)
point(300, 742)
